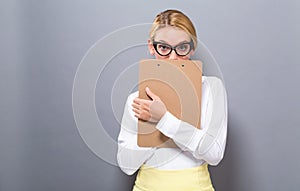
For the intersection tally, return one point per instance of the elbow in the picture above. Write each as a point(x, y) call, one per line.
point(127, 171)
point(213, 157)
point(125, 166)
point(215, 160)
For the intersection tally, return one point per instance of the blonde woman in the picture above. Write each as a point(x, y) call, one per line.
point(184, 168)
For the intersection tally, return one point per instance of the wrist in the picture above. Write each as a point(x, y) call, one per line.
point(163, 115)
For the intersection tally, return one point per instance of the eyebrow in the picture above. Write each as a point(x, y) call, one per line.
point(162, 41)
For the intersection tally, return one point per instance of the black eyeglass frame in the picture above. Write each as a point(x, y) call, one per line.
point(155, 43)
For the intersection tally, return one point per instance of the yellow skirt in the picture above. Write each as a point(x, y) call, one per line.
point(192, 179)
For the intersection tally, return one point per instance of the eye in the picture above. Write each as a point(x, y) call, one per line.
point(163, 47)
point(182, 47)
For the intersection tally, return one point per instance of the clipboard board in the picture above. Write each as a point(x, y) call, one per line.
point(178, 83)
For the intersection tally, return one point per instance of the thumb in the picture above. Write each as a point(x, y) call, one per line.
point(151, 94)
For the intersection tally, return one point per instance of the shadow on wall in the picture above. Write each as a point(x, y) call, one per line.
point(240, 152)
point(223, 174)
point(125, 182)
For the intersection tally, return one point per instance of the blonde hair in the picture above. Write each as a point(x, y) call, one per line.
point(174, 18)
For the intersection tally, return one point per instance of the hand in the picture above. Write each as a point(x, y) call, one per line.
point(149, 110)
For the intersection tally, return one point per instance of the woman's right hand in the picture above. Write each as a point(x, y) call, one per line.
point(149, 110)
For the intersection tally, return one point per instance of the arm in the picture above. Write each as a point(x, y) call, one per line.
point(130, 156)
point(209, 142)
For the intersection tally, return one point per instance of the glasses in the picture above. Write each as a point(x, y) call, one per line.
point(165, 49)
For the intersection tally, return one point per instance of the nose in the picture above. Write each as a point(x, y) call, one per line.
point(173, 55)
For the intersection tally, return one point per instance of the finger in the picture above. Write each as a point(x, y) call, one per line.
point(141, 101)
point(145, 108)
point(151, 94)
point(135, 105)
point(136, 111)
point(136, 100)
point(137, 116)
point(144, 116)
point(141, 115)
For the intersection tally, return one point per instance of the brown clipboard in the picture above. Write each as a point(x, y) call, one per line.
point(178, 83)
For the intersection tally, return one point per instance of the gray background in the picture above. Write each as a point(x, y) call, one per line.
point(256, 44)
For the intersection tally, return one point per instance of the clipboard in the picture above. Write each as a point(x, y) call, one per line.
point(178, 83)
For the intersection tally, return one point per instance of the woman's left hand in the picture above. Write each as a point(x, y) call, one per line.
point(149, 110)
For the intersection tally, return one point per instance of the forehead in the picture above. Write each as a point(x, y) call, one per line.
point(171, 35)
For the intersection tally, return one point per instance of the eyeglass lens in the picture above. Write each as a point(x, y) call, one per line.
point(165, 49)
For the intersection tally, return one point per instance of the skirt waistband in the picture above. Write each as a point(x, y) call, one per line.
point(152, 179)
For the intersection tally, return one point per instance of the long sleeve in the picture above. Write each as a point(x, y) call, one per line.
point(130, 156)
point(207, 143)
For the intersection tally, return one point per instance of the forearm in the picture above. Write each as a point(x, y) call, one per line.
point(209, 142)
point(130, 159)
point(130, 156)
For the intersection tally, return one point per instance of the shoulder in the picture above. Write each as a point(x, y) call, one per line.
point(212, 81)
point(132, 96)
point(215, 87)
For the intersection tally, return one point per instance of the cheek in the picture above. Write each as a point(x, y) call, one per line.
point(184, 58)
point(187, 57)
point(157, 56)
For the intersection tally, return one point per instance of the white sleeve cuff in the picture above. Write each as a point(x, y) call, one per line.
point(168, 124)
point(185, 135)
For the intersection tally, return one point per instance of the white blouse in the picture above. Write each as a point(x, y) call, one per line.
point(195, 146)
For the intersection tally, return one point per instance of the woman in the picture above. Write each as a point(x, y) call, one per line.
point(184, 168)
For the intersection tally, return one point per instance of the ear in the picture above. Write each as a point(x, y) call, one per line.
point(191, 53)
point(151, 47)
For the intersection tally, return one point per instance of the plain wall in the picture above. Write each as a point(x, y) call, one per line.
point(256, 44)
